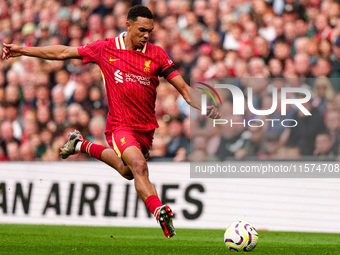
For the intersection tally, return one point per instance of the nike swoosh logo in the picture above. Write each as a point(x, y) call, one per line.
point(114, 59)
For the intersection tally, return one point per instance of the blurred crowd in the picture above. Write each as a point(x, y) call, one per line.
point(266, 43)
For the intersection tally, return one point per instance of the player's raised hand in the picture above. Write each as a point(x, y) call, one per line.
point(10, 51)
point(212, 112)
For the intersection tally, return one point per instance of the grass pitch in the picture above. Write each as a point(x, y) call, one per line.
point(45, 239)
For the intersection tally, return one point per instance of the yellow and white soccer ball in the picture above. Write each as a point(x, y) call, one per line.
point(240, 236)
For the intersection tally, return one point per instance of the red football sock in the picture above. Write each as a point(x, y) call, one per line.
point(94, 150)
point(153, 204)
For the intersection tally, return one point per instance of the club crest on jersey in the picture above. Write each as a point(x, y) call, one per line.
point(147, 66)
point(123, 140)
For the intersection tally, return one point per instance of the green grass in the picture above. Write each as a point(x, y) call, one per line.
point(43, 239)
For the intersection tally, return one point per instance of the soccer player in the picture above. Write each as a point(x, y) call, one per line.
point(130, 66)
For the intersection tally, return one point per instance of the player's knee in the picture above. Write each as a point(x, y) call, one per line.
point(125, 172)
point(140, 168)
point(128, 176)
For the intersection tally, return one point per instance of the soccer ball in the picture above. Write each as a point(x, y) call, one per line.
point(240, 236)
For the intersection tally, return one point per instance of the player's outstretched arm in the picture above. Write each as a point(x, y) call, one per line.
point(55, 52)
point(192, 96)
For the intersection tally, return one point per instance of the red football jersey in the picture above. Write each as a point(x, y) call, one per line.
point(130, 78)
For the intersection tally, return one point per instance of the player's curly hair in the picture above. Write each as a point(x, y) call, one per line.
point(139, 11)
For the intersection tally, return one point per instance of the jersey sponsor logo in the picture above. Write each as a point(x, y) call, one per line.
point(138, 78)
point(118, 76)
point(114, 59)
point(147, 66)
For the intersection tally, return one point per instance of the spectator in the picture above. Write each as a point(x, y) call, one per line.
point(288, 153)
point(302, 135)
point(198, 155)
point(64, 23)
point(301, 27)
point(323, 67)
point(30, 128)
point(44, 34)
point(322, 93)
point(95, 26)
point(281, 50)
point(278, 25)
point(324, 147)
point(57, 96)
point(333, 128)
point(323, 30)
point(158, 150)
point(97, 7)
point(163, 131)
point(335, 60)
point(28, 32)
point(275, 67)
point(2, 115)
point(254, 141)
point(12, 94)
point(301, 65)
point(60, 116)
point(325, 48)
point(187, 31)
point(262, 49)
point(7, 135)
point(45, 143)
point(84, 121)
point(2, 155)
point(300, 45)
point(43, 116)
point(232, 138)
point(73, 111)
point(232, 40)
point(256, 66)
point(29, 97)
point(13, 150)
point(63, 80)
point(312, 48)
point(81, 96)
point(289, 32)
point(27, 152)
point(42, 93)
point(97, 128)
point(12, 114)
point(175, 129)
point(271, 147)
